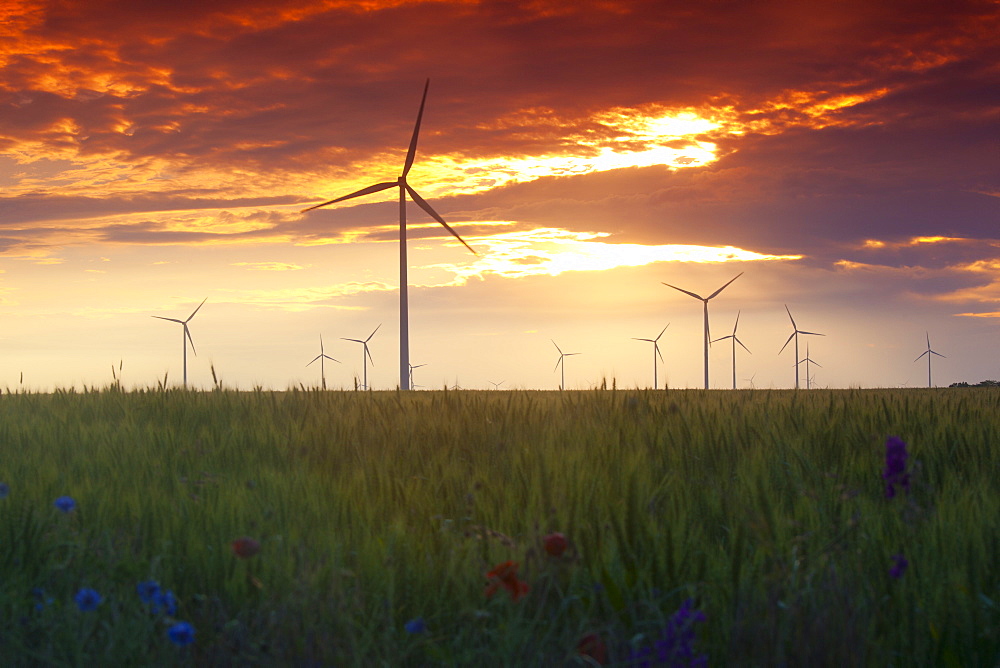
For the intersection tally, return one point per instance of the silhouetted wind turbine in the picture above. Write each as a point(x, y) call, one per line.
point(496, 386)
point(809, 361)
point(929, 353)
point(412, 367)
point(185, 336)
point(656, 351)
point(795, 334)
point(366, 355)
point(404, 189)
point(322, 357)
point(735, 341)
point(562, 363)
point(708, 337)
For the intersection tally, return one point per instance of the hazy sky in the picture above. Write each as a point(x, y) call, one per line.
point(844, 155)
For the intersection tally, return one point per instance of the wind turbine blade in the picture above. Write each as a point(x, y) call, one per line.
point(314, 359)
point(737, 322)
point(556, 368)
point(790, 337)
point(741, 343)
point(794, 326)
point(378, 187)
point(724, 286)
point(568, 354)
point(816, 363)
point(329, 358)
point(722, 338)
point(656, 347)
point(812, 333)
point(187, 332)
point(196, 310)
point(933, 352)
point(170, 319)
point(434, 214)
point(684, 291)
point(369, 353)
point(650, 340)
point(557, 346)
point(412, 151)
point(372, 334)
point(661, 333)
point(928, 334)
point(921, 355)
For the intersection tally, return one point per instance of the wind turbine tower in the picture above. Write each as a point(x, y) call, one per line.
point(404, 190)
point(656, 351)
point(366, 355)
point(795, 335)
point(929, 353)
point(185, 336)
point(562, 363)
point(322, 357)
point(735, 341)
point(807, 362)
point(705, 300)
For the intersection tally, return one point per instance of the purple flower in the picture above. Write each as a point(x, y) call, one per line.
point(895, 467)
point(416, 625)
point(675, 646)
point(87, 599)
point(181, 634)
point(65, 504)
point(899, 567)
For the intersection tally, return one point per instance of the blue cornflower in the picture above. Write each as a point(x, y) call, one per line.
point(164, 602)
point(895, 467)
point(675, 646)
point(899, 567)
point(87, 599)
point(147, 590)
point(65, 503)
point(416, 625)
point(181, 634)
point(4, 490)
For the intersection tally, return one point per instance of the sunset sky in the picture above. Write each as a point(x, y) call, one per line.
point(845, 156)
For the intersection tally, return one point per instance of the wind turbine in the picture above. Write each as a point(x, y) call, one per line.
point(412, 367)
point(795, 334)
point(496, 386)
point(809, 361)
point(708, 338)
point(366, 355)
point(185, 336)
point(562, 363)
point(404, 189)
point(929, 353)
point(735, 341)
point(322, 357)
point(656, 351)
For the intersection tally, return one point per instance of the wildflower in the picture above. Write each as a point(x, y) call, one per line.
point(416, 625)
point(165, 601)
point(555, 544)
point(675, 647)
point(181, 634)
point(899, 567)
point(245, 547)
point(65, 503)
point(41, 600)
point(87, 599)
point(147, 590)
point(895, 467)
point(505, 575)
point(4, 490)
point(592, 645)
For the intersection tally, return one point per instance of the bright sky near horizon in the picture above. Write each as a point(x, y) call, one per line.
point(844, 156)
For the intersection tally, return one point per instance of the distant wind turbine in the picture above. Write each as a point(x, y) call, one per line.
point(562, 363)
point(656, 351)
point(795, 335)
point(322, 357)
point(185, 336)
point(366, 355)
point(404, 189)
point(412, 367)
point(735, 341)
point(807, 362)
point(496, 386)
point(708, 337)
point(929, 354)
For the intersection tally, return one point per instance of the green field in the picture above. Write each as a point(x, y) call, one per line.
point(765, 508)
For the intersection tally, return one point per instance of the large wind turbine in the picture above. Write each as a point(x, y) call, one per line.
point(656, 351)
point(929, 353)
point(735, 341)
point(708, 337)
point(366, 355)
point(404, 189)
point(562, 363)
point(185, 336)
point(322, 357)
point(808, 360)
point(795, 335)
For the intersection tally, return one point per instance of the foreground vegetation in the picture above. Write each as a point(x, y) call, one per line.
point(757, 520)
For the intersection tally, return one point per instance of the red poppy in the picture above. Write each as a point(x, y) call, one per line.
point(505, 575)
point(593, 646)
point(555, 544)
point(245, 547)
